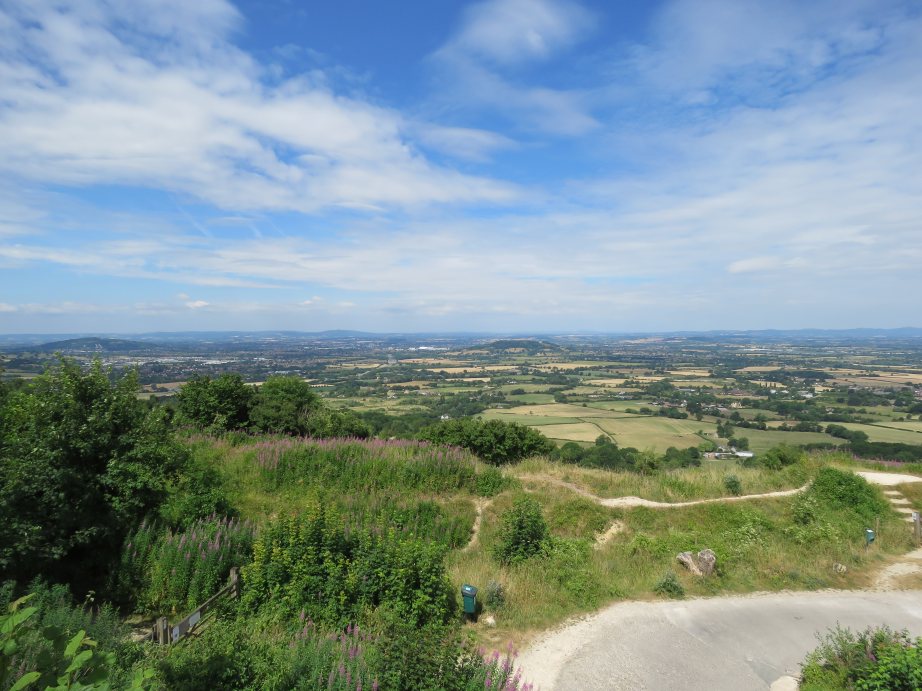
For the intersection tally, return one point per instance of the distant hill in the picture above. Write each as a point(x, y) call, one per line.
point(526, 345)
point(90, 344)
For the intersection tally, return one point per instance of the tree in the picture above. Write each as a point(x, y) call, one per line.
point(82, 461)
point(495, 441)
point(222, 403)
point(289, 405)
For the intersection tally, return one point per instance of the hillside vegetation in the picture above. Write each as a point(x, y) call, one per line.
point(353, 549)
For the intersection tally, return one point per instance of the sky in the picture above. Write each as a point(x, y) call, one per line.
point(505, 165)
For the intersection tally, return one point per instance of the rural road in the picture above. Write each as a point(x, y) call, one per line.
point(715, 644)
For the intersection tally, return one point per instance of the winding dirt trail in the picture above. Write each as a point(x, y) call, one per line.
point(631, 501)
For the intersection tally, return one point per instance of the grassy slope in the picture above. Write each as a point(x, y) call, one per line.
point(752, 539)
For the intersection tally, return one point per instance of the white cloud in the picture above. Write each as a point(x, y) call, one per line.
point(196, 304)
point(515, 31)
point(497, 35)
point(5, 307)
point(102, 93)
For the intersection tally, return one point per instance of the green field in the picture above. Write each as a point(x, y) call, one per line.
point(762, 440)
point(887, 433)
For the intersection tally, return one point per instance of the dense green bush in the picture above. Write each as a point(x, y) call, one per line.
point(876, 659)
point(841, 489)
point(82, 461)
point(312, 564)
point(733, 485)
point(523, 532)
point(781, 456)
point(222, 403)
point(494, 441)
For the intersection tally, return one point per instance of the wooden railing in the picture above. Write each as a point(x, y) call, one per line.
point(164, 634)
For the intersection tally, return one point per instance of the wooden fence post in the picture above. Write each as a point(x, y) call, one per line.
point(235, 582)
point(162, 631)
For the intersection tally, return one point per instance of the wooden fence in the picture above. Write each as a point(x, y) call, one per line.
point(164, 634)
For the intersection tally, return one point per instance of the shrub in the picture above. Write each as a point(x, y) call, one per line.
point(312, 564)
point(733, 485)
point(781, 456)
point(495, 595)
point(668, 586)
point(841, 489)
point(876, 659)
point(523, 532)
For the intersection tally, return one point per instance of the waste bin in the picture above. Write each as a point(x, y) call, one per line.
point(869, 535)
point(469, 595)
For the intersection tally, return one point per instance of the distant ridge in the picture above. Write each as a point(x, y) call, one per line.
point(91, 344)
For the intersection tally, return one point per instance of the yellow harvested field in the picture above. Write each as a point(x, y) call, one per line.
point(580, 431)
point(432, 361)
point(760, 368)
point(473, 368)
point(549, 366)
point(690, 372)
point(606, 382)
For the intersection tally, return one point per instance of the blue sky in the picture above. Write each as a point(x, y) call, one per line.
point(507, 165)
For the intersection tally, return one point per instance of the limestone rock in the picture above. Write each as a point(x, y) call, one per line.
point(706, 561)
point(688, 561)
point(839, 568)
point(489, 621)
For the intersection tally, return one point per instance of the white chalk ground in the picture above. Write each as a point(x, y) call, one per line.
point(716, 644)
point(888, 479)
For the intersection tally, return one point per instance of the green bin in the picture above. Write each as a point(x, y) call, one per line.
point(469, 595)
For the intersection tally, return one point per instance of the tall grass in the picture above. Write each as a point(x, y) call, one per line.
point(170, 571)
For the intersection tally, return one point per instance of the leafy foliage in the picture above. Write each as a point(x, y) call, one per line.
point(288, 405)
point(876, 659)
point(494, 441)
point(842, 489)
point(176, 572)
point(81, 462)
point(523, 533)
point(668, 586)
point(733, 485)
point(222, 403)
point(37, 647)
point(312, 564)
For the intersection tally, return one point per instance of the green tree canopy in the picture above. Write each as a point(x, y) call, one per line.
point(288, 405)
point(221, 403)
point(495, 441)
point(82, 460)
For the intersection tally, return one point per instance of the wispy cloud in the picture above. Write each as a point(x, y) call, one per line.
point(496, 38)
point(99, 92)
